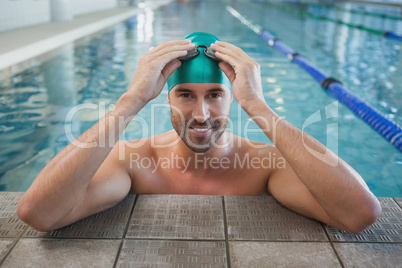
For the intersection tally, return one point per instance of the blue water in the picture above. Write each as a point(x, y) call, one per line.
point(34, 104)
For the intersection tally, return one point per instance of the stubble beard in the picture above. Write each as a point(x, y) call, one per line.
point(199, 144)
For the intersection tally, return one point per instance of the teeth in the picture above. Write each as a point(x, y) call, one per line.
point(201, 129)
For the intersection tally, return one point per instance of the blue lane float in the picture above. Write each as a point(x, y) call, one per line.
point(389, 129)
point(393, 35)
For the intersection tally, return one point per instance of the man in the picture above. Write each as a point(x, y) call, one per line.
point(79, 182)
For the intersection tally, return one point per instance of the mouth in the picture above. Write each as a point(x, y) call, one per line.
point(200, 131)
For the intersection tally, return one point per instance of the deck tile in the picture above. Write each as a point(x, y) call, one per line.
point(10, 224)
point(63, 253)
point(399, 201)
point(157, 253)
point(177, 216)
point(110, 223)
point(282, 254)
point(369, 255)
point(264, 218)
point(5, 246)
point(388, 228)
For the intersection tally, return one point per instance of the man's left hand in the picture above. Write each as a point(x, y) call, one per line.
point(243, 73)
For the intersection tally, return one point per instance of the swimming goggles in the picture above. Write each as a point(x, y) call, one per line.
point(195, 52)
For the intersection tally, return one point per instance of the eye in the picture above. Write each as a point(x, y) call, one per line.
point(185, 95)
point(215, 95)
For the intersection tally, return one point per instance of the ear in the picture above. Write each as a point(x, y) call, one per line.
point(168, 98)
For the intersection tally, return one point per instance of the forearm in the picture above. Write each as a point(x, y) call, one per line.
point(63, 182)
point(338, 188)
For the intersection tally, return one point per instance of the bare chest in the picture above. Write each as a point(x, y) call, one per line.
point(215, 182)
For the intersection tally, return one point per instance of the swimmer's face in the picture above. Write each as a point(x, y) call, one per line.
point(200, 113)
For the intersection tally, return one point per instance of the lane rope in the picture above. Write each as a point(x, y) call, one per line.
point(337, 21)
point(360, 12)
point(389, 129)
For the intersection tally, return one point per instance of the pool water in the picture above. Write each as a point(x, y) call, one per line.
point(42, 107)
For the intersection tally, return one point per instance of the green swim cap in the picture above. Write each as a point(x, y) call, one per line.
point(200, 69)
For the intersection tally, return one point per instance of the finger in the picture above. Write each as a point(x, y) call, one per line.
point(170, 67)
point(226, 54)
point(228, 70)
point(233, 61)
point(228, 47)
point(231, 50)
point(158, 62)
point(166, 58)
point(186, 47)
point(170, 43)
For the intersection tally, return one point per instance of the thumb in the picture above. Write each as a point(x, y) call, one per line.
point(228, 70)
point(170, 68)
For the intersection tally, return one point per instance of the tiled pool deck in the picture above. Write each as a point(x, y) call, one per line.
point(199, 231)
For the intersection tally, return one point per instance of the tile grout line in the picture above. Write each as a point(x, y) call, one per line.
point(225, 228)
point(128, 238)
point(118, 253)
point(332, 245)
point(171, 239)
point(337, 254)
point(237, 240)
point(400, 205)
point(9, 252)
point(125, 231)
point(16, 242)
point(130, 216)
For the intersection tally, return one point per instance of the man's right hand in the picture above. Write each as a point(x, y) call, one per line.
point(155, 67)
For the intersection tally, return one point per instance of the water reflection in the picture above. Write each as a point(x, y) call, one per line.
point(34, 103)
point(145, 26)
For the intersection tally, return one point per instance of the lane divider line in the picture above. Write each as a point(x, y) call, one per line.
point(389, 129)
point(360, 12)
point(337, 21)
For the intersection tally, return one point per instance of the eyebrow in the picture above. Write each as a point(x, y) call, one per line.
point(186, 90)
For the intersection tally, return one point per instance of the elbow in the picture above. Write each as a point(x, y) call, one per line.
point(26, 213)
point(366, 217)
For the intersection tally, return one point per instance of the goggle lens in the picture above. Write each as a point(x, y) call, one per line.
point(195, 52)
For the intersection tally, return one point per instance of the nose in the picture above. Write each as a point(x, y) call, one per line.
point(201, 111)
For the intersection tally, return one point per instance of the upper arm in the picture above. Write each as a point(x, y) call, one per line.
point(290, 191)
point(109, 185)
